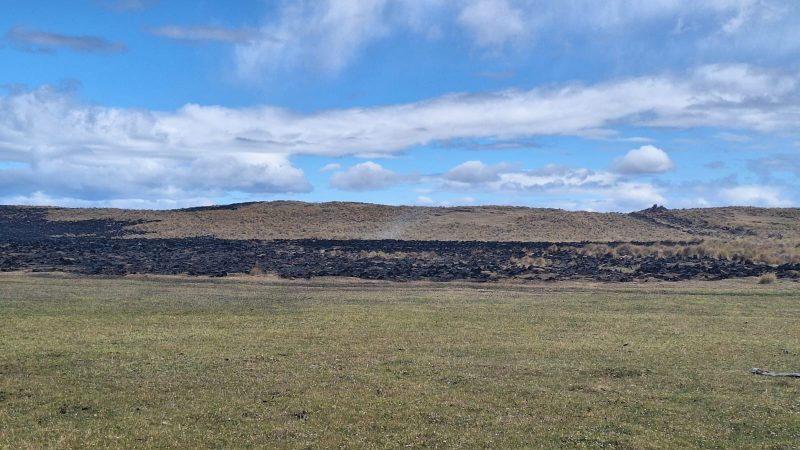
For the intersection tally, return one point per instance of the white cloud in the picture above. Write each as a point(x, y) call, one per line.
point(733, 137)
point(324, 34)
point(46, 42)
point(70, 148)
point(65, 149)
point(424, 200)
point(661, 101)
point(41, 199)
point(367, 176)
point(331, 167)
point(754, 195)
point(205, 33)
point(632, 195)
point(328, 35)
point(459, 201)
point(475, 172)
point(645, 159)
point(570, 187)
point(493, 22)
point(552, 177)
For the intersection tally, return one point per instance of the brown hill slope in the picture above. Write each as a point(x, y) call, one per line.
point(336, 220)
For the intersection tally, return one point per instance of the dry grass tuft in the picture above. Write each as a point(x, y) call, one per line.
point(528, 261)
point(764, 252)
point(767, 278)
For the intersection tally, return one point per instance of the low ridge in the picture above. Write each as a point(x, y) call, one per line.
point(341, 220)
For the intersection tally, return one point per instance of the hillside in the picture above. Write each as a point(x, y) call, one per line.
point(302, 240)
point(336, 220)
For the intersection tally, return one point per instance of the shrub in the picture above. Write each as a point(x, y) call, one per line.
point(767, 278)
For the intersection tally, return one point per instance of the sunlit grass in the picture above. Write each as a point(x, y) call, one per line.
point(251, 362)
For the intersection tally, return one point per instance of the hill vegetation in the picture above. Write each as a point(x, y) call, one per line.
point(337, 220)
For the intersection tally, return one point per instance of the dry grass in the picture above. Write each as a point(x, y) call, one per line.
point(774, 233)
point(297, 220)
point(251, 363)
point(529, 261)
point(767, 278)
point(764, 252)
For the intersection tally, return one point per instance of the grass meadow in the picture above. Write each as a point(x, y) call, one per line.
point(257, 362)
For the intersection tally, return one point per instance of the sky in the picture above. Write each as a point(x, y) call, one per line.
point(577, 104)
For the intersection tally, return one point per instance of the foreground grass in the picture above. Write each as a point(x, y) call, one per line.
point(254, 363)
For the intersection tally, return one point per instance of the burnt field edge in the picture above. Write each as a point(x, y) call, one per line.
point(29, 241)
point(396, 260)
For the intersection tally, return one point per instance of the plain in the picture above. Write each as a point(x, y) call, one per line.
point(153, 362)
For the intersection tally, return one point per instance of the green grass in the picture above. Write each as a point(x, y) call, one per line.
point(248, 362)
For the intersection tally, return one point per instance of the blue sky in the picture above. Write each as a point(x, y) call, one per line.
point(606, 106)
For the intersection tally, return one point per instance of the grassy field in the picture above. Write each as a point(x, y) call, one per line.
point(254, 362)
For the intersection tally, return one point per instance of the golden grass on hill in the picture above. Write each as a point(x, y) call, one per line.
point(336, 220)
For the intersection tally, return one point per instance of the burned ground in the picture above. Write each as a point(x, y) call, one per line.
point(28, 241)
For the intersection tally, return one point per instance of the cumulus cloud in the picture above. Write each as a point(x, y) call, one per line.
point(102, 154)
point(475, 172)
point(204, 34)
point(571, 187)
point(643, 160)
point(46, 42)
point(367, 176)
point(50, 130)
point(754, 195)
point(552, 177)
point(107, 178)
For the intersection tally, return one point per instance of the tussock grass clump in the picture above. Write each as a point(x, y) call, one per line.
point(393, 255)
point(764, 252)
point(529, 261)
point(767, 278)
point(595, 250)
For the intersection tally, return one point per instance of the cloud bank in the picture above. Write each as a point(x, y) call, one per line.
point(63, 147)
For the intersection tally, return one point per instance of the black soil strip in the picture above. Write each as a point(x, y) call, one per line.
point(380, 259)
point(30, 242)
